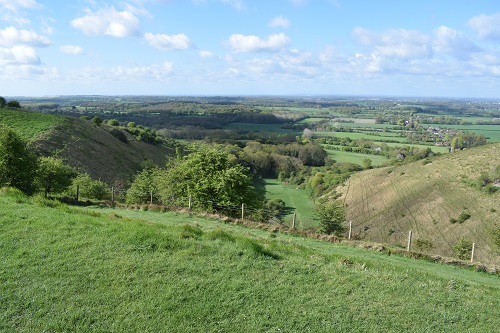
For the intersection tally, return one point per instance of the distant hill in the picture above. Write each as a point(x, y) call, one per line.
point(93, 150)
point(385, 204)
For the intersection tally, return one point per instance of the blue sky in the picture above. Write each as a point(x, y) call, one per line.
point(444, 48)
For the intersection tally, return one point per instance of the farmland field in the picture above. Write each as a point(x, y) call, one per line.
point(356, 158)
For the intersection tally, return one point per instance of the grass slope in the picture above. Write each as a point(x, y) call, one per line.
point(70, 270)
point(296, 200)
point(384, 204)
point(28, 124)
point(89, 149)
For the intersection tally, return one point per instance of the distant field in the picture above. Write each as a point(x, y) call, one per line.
point(28, 124)
point(492, 132)
point(263, 128)
point(296, 199)
point(356, 158)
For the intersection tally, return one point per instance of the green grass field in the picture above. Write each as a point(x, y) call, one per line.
point(263, 128)
point(356, 158)
point(106, 270)
point(29, 125)
point(491, 132)
point(296, 200)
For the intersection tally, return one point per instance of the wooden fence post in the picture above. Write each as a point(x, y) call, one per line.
point(294, 220)
point(242, 211)
point(77, 192)
point(112, 195)
point(151, 201)
point(350, 229)
point(472, 252)
point(408, 247)
point(189, 203)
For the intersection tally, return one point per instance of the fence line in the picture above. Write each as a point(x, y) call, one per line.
point(249, 212)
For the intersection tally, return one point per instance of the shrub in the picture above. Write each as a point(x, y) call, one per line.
point(423, 244)
point(463, 217)
point(331, 215)
point(462, 249)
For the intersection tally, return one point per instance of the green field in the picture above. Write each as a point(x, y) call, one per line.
point(106, 270)
point(356, 158)
point(296, 200)
point(491, 132)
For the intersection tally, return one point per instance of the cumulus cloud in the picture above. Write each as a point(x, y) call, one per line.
point(279, 22)
point(109, 22)
point(18, 55)
point(486, 26)
point(250, 43)
point(454, 42)
point(71, 49)
point(12, 36)
point(168, 42)
point(396, 43)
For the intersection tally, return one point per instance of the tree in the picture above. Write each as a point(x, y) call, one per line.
point(53, 175)
point(366, 163)
point(140, 190)
point(331, 216)
point(89, 188)
point(3, 102)
point(210, 176)
point(13, 104)
point(18, 164)
point(96, 121)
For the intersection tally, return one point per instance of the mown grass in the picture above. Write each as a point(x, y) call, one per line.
point(29, 125)
point(296, 200)
point(73, 270)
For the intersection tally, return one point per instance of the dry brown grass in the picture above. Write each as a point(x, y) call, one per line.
point(384, 204)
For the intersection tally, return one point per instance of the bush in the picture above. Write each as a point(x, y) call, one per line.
point(462, 249)
point(89, 188)
point(463, 217)
point(423, 244)
point(331, 215)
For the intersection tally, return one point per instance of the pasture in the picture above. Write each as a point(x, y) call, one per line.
point(67, 269)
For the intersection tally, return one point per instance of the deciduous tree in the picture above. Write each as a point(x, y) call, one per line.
point(18, 164)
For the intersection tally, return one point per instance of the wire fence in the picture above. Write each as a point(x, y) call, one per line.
point(408, 240)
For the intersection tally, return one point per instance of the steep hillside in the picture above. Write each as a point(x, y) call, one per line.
point(89, 149)
point(385, 204)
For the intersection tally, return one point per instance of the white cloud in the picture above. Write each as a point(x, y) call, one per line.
point(486, 26)
point(168, 42)
point(157, 72)
point(251, 43)
point(71, 49)
point(454, 42)
point(396, 43)
point(279, 22)
point(13, 5)
point(19, 55)
point(12, 36)
point(236, 4)
point(109, 22)
point(206, 54)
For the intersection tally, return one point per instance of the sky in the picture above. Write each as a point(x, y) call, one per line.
point(422, 48)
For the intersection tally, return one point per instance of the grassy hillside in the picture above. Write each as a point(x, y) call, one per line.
point(93, 150)
point(28, 124)
point(384, 204)
point(73, 270)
